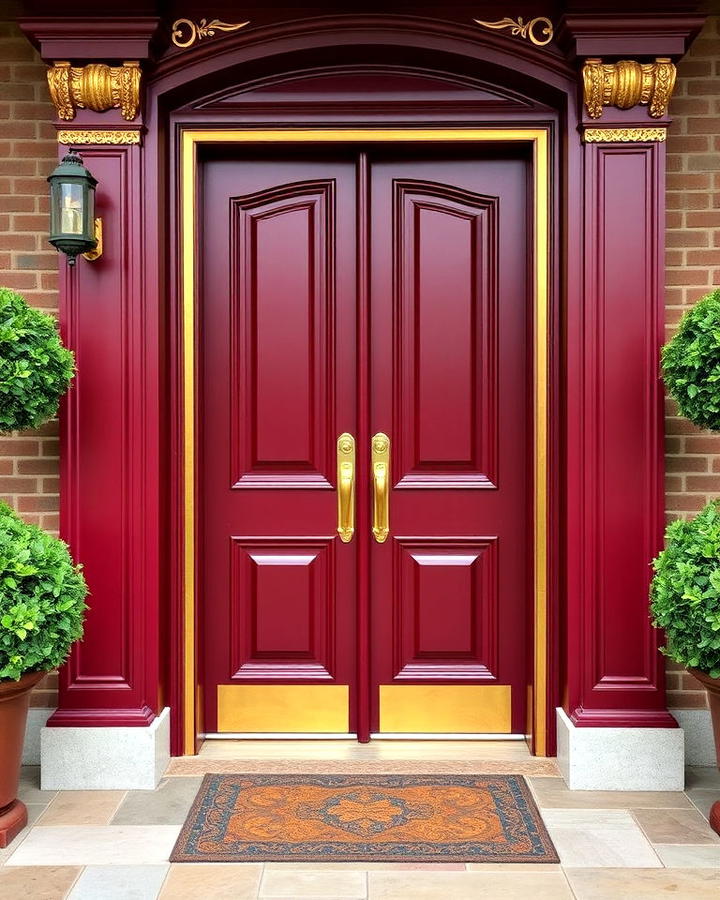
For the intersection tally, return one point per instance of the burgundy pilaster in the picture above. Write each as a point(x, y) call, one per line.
point(109, 422)
point(615, 674)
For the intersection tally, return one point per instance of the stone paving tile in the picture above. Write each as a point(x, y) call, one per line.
point(119, 883)
point(37, 882)
point(30, 786)
point(638, 884)
point(703, 800)
point(551, 793)
point(703, 778)
point(320, 884)
point(86, 845)
point(593, 838)
point(81, 808)
point(35, 810)
point(169, 804)
point(219, 881)
point(675, 826)
point(704, 856)
point(550, 885)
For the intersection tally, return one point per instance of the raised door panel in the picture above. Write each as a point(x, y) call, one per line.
point(282, 309)
point(446, 599)
point(445, 322)
point(282, 616)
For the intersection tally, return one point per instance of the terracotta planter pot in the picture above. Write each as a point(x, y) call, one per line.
point(14, 701)
point(712, 686)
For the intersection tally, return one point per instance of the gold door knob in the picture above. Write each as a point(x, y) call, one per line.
point(346, 486)
point(380, 459)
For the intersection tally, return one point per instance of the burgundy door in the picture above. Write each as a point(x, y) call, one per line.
point(450, 368)
point(381, 293)
point(277, 325)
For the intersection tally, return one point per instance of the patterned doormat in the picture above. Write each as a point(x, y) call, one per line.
point(370, 818)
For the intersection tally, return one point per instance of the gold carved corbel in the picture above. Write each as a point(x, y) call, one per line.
point(627, 83)
point(96, 86)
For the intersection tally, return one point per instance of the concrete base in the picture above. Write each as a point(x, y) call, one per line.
point(37, 717)
point(620, 759)
point(699, 741)
point(82, 759)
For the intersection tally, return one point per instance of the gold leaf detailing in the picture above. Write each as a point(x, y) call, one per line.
point(627, 83)
point(98, 137)
point(97, 86)
point(623, 135)
point(185, 32)
point(528, 30)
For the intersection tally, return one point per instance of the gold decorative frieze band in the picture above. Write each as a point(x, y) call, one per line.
point(97, 86)
point(627, 83)
point(72, 137)
point(623, 135)
point(185, 32)
point(538, 31)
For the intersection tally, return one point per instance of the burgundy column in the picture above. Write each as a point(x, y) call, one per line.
point(615, 675)
point(109, 423)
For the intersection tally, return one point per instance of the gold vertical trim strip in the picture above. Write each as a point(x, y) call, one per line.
point(188, 187)
point(539, 138)
point(542, 248)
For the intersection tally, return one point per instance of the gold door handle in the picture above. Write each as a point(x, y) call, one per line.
point(346, 486)
point(380, 457)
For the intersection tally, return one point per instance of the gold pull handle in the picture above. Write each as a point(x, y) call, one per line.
point(346, 486)
point(381, 476)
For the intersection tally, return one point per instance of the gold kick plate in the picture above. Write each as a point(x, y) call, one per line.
point(346, 486)
point(380, 458)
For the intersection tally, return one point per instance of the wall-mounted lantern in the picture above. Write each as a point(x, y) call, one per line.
point(73, 226)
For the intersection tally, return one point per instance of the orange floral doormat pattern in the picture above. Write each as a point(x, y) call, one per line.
point(381, 818)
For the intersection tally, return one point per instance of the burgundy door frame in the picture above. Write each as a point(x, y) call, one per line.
point(120, 473)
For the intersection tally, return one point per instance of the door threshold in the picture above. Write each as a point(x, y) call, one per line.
point(274, 736)
point(418, 736)
point(379, 736)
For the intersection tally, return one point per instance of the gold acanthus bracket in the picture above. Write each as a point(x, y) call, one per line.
point(627, 83)
point(92, 255)
point(97, 86)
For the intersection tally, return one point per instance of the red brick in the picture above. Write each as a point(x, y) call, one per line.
point(706, 483)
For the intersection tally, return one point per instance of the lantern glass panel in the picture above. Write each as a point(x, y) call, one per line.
point(71, 208)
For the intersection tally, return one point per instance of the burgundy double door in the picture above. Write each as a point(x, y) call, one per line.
point(364, 368)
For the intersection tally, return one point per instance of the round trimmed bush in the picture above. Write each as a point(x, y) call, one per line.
point(685, 592)
point(35, 368)
point(691, 363)
point(42, 598)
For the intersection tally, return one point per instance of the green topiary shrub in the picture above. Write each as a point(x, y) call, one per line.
point(42, 598)
point(35, 368)
point(691, 363)
point(685, 592)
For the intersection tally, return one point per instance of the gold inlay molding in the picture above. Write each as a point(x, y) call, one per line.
point(538, 139)
point(627, 83)
point(96, 86)
point(538, 31)
point(623, 135)
point(71, 137)
point(185, 32)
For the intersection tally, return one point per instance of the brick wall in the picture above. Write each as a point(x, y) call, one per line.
point(29, 461)
point(28, 153)
point(692, 269)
